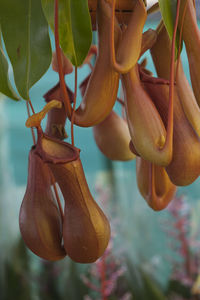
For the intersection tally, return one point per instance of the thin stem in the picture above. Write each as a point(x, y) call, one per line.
point(31, 106)
point(171, 83)
point(170, 123)
point(74, 106)
point(180, 39)
point(170, 120)
point(59, 60)
point(29, 114)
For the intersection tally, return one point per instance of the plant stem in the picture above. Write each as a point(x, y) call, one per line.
point(74, 107)
point(29, 114)
point(180, 39)
point(170, 121)
point(31, 106)
point(59, 60)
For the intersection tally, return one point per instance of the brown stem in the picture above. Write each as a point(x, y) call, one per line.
point(30, 103)
point(170, 122)
point(59, 60)
point(180, 40)
point(29, 114)
point(74, 107)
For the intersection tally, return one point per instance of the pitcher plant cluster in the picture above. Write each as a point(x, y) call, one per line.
point(159, 125)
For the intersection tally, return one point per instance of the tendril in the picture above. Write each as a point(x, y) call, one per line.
point(180, 39)
point(29, 114)
point(59, 60)
point(170, 122)
point(74, 106)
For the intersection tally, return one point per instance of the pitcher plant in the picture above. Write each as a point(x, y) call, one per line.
point(158, 125)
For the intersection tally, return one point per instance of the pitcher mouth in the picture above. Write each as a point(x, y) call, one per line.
point(52, 150)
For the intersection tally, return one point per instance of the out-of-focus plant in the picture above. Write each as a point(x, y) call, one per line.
point(49, 283)
point(106, 271)
point(104, 277)
point(114, 276)
point(17, 281)
point(142, 284)
point(184, 255)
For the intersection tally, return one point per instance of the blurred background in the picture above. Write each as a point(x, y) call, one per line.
point(151, 255)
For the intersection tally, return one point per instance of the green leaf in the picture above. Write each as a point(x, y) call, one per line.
point(26, 37)
point(168, 11)
point(5, 85)
point(75, 30)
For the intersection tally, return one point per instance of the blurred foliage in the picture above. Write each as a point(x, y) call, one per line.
point(75, 289)
point(176, 287)
point(22, 280)
point(141, 284)
point(62, 280)
point(48, 281)
point(16, 281)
